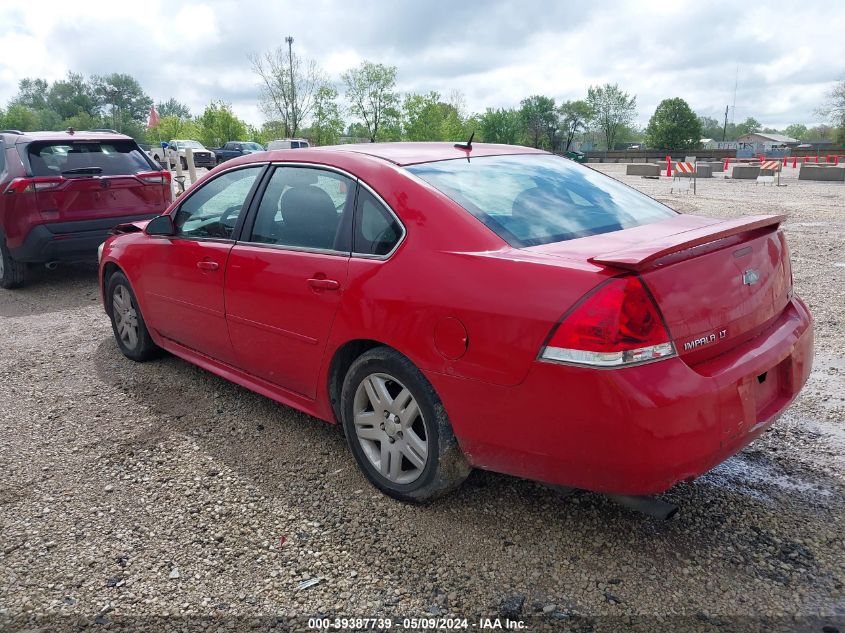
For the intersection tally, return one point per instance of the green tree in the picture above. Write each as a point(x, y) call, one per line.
point(81, 121)
point(612, 108)
point(32, 94)
point(218, 124)
point(271, 131)
point(821, 133)
point(20, 117)
point(673, 126)
point(72, 96)
point(174, 127)
point(422, 117)
point(540, 120)
point(126, 104)
point(749, 126)
point(797, 131)
point(502, 125)
point(357, 130)
point(372, 97)
point(49, 120)
point(575, 116)
point(326, 125)
point(172, 107)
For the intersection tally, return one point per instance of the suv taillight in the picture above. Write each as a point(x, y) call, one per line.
point(31, 185)
point(616, 326)
point(154, 177)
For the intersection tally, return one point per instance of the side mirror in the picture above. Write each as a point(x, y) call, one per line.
point(161, 225)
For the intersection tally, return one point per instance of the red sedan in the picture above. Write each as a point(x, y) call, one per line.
point(480, 306)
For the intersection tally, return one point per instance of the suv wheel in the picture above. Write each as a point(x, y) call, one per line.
point(130, 331)
point(12, 273)
point(397, 428)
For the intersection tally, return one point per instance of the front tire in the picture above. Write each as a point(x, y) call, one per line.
point(130, 330)
point(397, 428)
point(12, 272)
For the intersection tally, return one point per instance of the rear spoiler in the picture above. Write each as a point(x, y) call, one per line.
point(644, 255)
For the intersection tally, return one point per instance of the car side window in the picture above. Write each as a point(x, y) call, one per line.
point(377, 231)
point(213, 210)
point(303, 207)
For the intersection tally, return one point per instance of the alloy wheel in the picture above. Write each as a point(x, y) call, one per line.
point(125, 316)
point(390, 428)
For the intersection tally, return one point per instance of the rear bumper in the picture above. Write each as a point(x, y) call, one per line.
point(68, 241)
point(638, 430)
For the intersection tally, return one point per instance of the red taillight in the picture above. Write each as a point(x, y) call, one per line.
point(31, 185)
point(154, 177)
point(617, 325)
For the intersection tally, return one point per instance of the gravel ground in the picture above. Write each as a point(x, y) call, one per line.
point(160, 497)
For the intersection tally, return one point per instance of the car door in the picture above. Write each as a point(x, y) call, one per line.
point(183, 274)
point(284, 279)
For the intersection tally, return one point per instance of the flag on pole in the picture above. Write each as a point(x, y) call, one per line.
point(153, 120)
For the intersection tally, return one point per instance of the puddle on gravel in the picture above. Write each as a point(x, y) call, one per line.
point(749, 475)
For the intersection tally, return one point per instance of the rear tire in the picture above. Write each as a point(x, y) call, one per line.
point(398, 430)
point(12, 272)
point(130, 330)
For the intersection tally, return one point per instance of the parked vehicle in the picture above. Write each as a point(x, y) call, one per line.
point(63, 191)
point(468, 306)
point(288, 143)
point(169, 153)
point(233, 149)
point(574, 154)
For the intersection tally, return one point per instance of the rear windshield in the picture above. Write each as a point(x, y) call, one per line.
point(85, 158)
point(533, 199)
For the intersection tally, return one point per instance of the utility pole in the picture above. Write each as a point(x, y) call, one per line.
point(725, 129)
point(292, 130)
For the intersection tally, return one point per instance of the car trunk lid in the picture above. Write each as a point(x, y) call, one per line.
point(718, 283)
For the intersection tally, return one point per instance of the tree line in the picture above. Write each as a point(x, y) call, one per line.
point(299, 99)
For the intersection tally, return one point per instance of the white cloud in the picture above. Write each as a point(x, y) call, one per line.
point(497, 52)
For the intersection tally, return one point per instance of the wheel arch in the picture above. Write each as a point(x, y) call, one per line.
point(109, 269)
point(342, 360)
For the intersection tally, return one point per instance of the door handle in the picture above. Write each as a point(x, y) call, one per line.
point(207, 265)
point(324, 284)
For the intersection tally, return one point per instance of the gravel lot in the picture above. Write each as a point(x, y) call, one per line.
point(134, 492)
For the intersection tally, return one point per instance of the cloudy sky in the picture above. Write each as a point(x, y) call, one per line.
point(789, 53)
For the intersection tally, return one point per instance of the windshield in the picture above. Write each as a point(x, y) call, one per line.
point(85, 158)
point(191, 144)
point(533, 199)
point(253, 146)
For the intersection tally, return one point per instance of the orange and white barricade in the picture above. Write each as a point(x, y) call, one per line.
point(684, 173)
point(769, 165)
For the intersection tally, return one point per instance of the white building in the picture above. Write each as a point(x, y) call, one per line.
point(764, 141)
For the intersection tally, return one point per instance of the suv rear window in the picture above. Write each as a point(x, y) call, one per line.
point(533, 199)
point(114, 158)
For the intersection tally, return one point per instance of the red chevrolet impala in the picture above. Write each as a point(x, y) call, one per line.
point(459, 306)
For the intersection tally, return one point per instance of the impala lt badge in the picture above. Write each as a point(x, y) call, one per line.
point(750, 276)
point(705, 340)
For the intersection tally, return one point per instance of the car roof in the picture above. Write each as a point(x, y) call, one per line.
point(82, 135)
point(413, 153)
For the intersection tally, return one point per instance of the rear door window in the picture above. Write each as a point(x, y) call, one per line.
point(86, 158)
point(303, 208)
